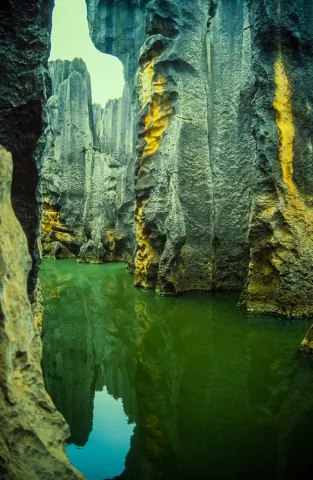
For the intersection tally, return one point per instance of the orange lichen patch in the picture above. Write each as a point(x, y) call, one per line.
point(145, 256)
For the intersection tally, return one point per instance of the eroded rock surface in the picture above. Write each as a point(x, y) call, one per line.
point(82, 172)
point(24, 88)
point(32, 432)
point(281, 234)
point(222, 113)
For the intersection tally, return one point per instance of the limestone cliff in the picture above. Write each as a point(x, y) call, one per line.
point(280, 271)
point(81, 170)
point(221, 113)
point(24, 48)
point(32, 432)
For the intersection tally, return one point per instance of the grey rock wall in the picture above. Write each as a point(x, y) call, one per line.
point(82, 172)
point(280, 271)
point(195, 152)
point(222, 115)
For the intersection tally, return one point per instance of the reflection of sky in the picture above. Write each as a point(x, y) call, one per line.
point(104, 454)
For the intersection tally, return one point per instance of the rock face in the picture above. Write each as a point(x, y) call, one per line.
point(32, 431)
point(280, 271)
point(221, 115)
point(24, 45)
point(81, 174)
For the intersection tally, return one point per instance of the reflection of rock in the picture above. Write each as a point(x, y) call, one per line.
point(193, 373)
point(31, 431)
point(88, 342)
point(307, 342)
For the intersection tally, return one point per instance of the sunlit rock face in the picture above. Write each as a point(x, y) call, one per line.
point(32, 432)
point(222, 117)
point(82, 173)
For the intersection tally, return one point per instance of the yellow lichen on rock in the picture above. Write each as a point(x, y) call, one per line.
point(284, 122)
point(153, 96)
point(156, 120)
point(145, 256)
point(146, 81)
point(281, 261)
point(33, 433)
point(296, 207)
point(52, 229)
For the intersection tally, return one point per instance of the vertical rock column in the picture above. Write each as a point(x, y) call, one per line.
point(232, 146)
point(32, 432)
point(25, 28)
point(70, 136)
point(173, 205)
point(280, 277)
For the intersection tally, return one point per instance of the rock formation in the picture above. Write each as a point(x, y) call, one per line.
point(217, 109)
point(82, 174)
point(32, 431)
point(223, 151)
point(24, 45)
point(280, 271)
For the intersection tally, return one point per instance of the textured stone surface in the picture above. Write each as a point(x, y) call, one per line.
point(281, 236)
point(222, 115)
point(232, 147)
point(195, 152)
point(24, 48)
point(32, 432)
point(82, 174)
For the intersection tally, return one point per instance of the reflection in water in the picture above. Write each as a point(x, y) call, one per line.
point(110, 439)
point(214, 393)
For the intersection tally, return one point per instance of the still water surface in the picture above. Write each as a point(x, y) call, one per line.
point(173, 388)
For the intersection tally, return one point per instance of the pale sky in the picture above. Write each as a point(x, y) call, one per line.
point(70, 39)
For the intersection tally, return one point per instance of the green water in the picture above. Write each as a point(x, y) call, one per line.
point(166, 388)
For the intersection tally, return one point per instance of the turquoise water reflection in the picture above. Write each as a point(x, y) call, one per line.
point(109, 439)
point(213, 392)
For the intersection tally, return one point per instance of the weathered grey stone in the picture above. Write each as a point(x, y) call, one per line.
point(82, 171)
point(195, 151)
point(222, 113)
point(232, 146)
point(281, 235)
point(69, 137)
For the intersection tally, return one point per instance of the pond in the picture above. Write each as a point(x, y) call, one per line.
point(187, 387)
